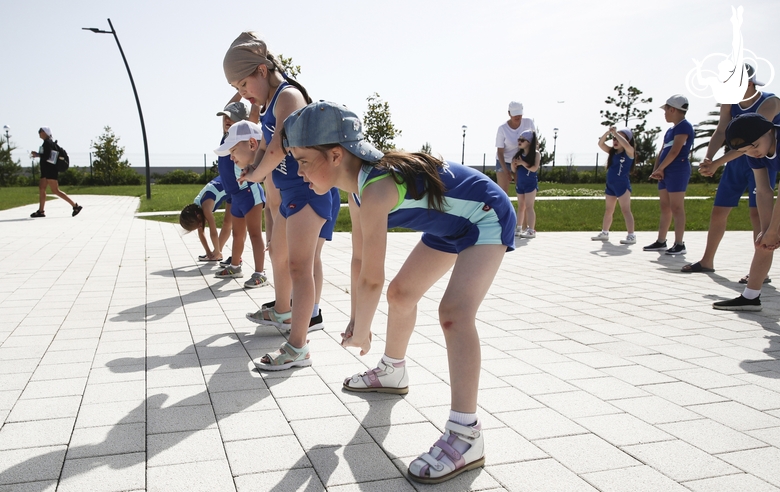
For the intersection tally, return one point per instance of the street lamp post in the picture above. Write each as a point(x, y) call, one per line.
point(137, 101)
point(555, 143)
point(7, 137)
point(463, 152)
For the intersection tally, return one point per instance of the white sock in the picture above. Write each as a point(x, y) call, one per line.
point(259, 273)
point(316, 310)
point(390, 361)
point(463, 418)
point(751, 293)
point(235, 267)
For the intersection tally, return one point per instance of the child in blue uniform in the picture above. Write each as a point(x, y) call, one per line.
point(525, 165)
point(258, 77)
point(619, 163)
point(468, 224)
point(737, 176)
point(757, 138)
point(201, 212)
point(673, 170)
point(246, 207)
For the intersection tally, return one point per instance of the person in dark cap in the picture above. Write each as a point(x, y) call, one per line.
point(756, 137)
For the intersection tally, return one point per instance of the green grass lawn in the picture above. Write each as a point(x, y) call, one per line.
point(552, 215)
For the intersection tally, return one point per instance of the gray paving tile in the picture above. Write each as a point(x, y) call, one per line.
point(710, 436)
point(539, 475)
point(203, 476)
point(283, 481)
point(586, 453)
point(108, 440)
point(184, 447)
point(35, 434)
point(680, 461)
point(633, 479)
point(31, 465)
point(733, 483)
point(104, 473)
point(757, 462)
point(281, 453)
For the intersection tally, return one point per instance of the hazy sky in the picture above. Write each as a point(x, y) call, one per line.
point(440, 65)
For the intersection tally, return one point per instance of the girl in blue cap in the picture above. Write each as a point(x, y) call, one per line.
point(468, 224)
point(297, 224)
point(525, 165)
point(618, 190)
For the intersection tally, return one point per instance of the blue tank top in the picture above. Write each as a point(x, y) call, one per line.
point(737, 110)
point(470, 196)
point(620, 167)
point(213, 190)
point(229, 173)
point(285, 175)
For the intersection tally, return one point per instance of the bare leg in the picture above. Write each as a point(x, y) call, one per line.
point(625, 207)
point(718, 220)
point(609, 211)
point(471, 278)
point(759, 268)
point(530, 213)
point(303, 230)
point(227, 227)
point(318, 276)
point(666, 215)
point(521, 211)
point(254, 224)
point(239, 238)
point(502, 178)
point(420, 271)
point(273, 199)
point(677, 202)
point(56, 190)
point(42, 193)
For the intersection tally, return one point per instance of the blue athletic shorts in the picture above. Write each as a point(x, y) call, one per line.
point(524, 183)
point(497, 226)
point(327, 229)
point(736, 178)
point(618, 188)
point(245, 200)
point(297, 197)
point(676, 180)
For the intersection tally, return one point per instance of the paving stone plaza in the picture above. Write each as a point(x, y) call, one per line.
point(125, 366)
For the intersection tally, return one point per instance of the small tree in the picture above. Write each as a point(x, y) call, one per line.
point(627, 103)
point(9, 169)
point(377, 125)
point(108, 167)
point(289, 68)
point(426, 148)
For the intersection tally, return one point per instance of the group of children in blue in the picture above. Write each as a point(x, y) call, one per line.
point(467, 220)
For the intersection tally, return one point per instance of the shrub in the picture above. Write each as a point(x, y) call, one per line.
point(180, 176)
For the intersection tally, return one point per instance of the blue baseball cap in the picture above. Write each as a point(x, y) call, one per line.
point(326, 122)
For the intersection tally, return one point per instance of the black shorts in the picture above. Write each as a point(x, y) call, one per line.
point(49, 171)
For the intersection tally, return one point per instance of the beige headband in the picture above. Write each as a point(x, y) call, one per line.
point(244, 55)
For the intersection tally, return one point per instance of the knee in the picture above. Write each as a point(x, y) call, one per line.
point(399, 296)
point(452, 314)
point(300, 269)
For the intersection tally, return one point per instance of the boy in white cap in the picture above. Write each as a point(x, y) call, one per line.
point(49, 174)
point(673, 170)
point(506, 142)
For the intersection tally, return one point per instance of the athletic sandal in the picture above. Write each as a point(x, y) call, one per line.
point(273, 319)
point(382, 379)
point(206, 258)
point(38, 213)
point(287, 357)
point(315, 324)
point(696, 268)
point(460, 449)
point(744, 280)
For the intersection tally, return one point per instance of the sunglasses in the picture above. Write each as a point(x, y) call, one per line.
point(521, 140)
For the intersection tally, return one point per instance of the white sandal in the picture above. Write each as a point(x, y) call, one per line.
point(385, 378)
point(444, 461)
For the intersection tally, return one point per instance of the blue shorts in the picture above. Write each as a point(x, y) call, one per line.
point(676, 180)
point(326, 232)
point(524, 183)
point(497, 226)
point(499, 169)
point(296, 198)
point(245, 200)
point(736, 178)
point(618, 188)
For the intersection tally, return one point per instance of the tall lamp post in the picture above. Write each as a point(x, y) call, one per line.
point(137, 101)
point(555, 143)
point(7, 137)
point(463, 151)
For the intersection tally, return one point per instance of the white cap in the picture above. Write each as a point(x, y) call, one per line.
point(677, 101)
point(240, 131)
point(515, 108)
point(751, 71)
point(46, 130)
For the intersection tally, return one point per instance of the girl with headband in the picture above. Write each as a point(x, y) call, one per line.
point(302, 216)
point(468, 224)
point(525, 164)
point(618, 190)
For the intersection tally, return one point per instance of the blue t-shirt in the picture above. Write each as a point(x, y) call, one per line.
point(229, 173)
point(212, 191)
point(285, 175)
point(680, 162)
point(772, 163)
point(620, 167)
point(737, 110)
